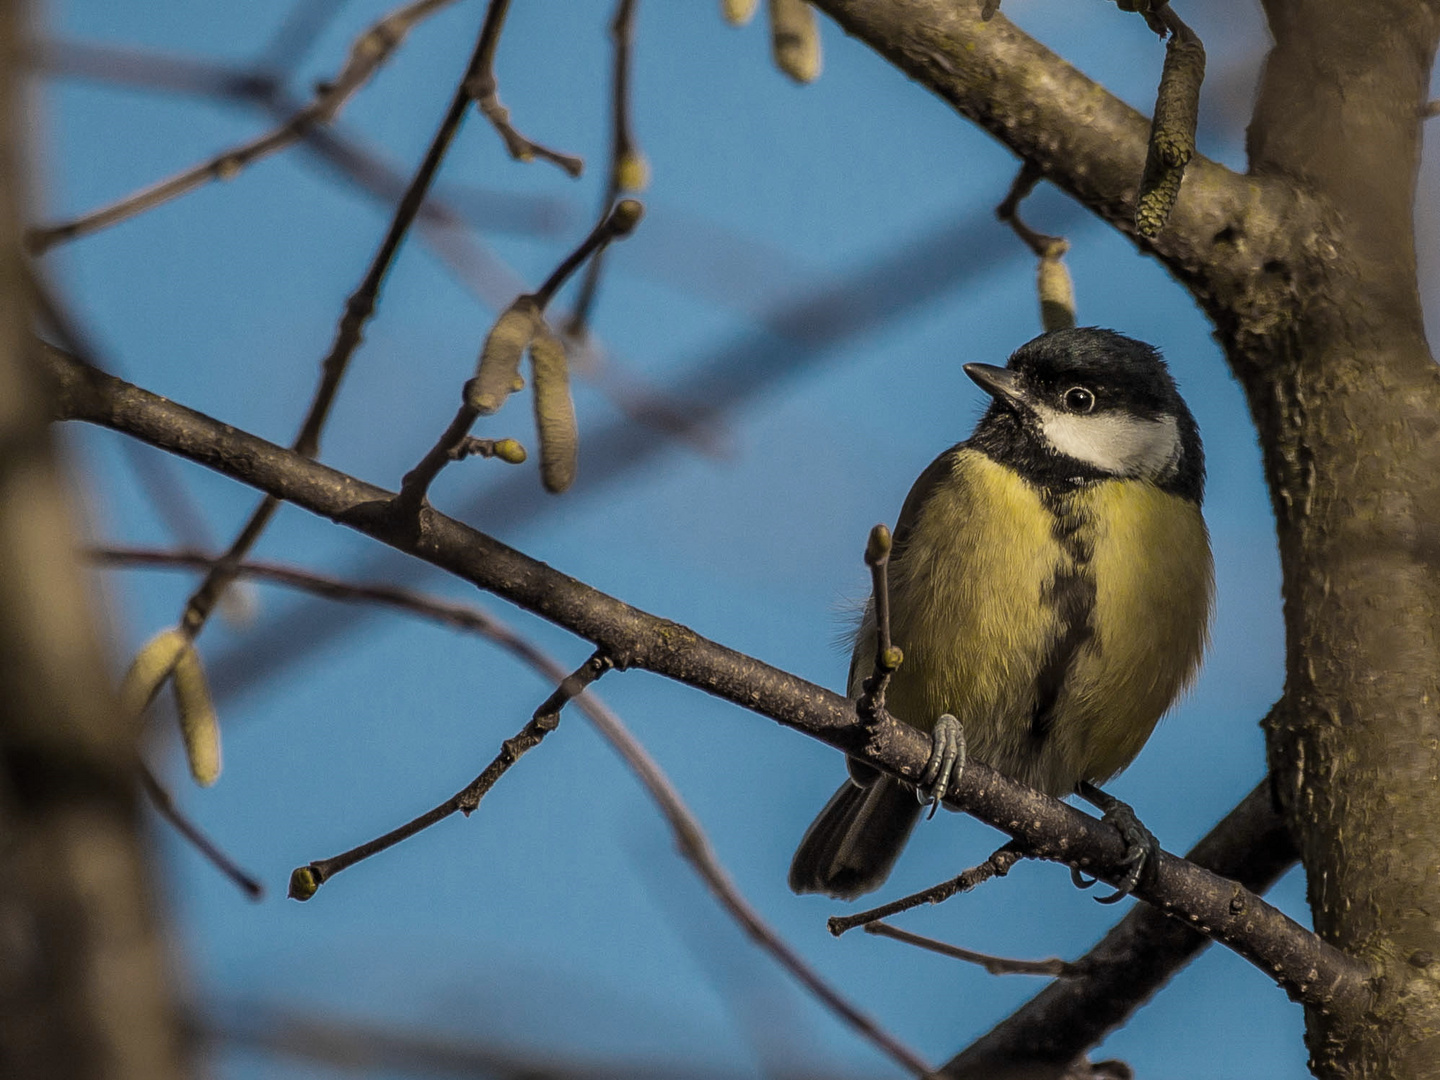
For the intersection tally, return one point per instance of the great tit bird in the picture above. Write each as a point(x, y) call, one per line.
point(1051, 587)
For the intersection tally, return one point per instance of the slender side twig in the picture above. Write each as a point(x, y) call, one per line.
point(305, 880)
point(995, 965)
point(483, 88)
point(358, 309)
point(690, 838)
point(1052, 279)
point(997, 865)
point(888, 658)
point(529, 310)
point(1300, 961)
point(165, 804)
point(627, 167)
point(368, 53)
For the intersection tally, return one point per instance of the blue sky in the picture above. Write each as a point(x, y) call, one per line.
point(558, 917)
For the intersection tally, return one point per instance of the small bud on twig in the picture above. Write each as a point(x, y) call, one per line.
point(632, 172)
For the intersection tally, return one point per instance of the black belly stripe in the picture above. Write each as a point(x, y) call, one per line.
point(1071, 592)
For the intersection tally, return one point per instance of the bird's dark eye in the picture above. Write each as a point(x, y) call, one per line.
point(1078, 399)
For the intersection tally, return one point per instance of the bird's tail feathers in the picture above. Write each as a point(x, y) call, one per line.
point(851, 847)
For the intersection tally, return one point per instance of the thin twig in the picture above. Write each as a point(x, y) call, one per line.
point(623, 159)
point(1052, 283)
point(689, 837)
point(368, 53)
point(407, 504)
point(482, 87)
point(305, 880)
point(997, 865)
point(165, 804)
point(358, 309)
point(888, 658)
point(1044, 247)
point(995, 965)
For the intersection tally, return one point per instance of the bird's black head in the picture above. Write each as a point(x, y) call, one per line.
point(1077, 406)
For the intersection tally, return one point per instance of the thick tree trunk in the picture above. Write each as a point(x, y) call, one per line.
point(1346, 398)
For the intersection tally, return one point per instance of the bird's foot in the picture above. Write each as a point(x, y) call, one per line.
point(947, 762)
point(1142, 850)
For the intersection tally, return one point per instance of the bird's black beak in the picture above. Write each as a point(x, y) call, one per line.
point(1000, 383)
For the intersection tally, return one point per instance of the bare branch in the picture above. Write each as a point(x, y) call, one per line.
point(1047, 1035)
point(306, 880)
point(368, 53)
point(1080, 136)
point(481, 86)
point(628, 168)
point(1307, 967)
point(994, 965)
point(164, 802)
point(1052, 279)
point(997, 865)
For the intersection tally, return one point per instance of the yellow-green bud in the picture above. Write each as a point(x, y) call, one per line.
point(510, 451)
point(303, 883)
point(632, 171)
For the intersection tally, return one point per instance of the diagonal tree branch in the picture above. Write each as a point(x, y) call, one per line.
point(1081, 137)
point(1304, 965)
point(1044, 1038)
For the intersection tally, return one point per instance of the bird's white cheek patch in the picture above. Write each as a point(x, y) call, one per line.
point(1114, 443)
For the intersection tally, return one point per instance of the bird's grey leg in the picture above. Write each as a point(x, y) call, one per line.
point(1142, 850)
point(947, 762)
